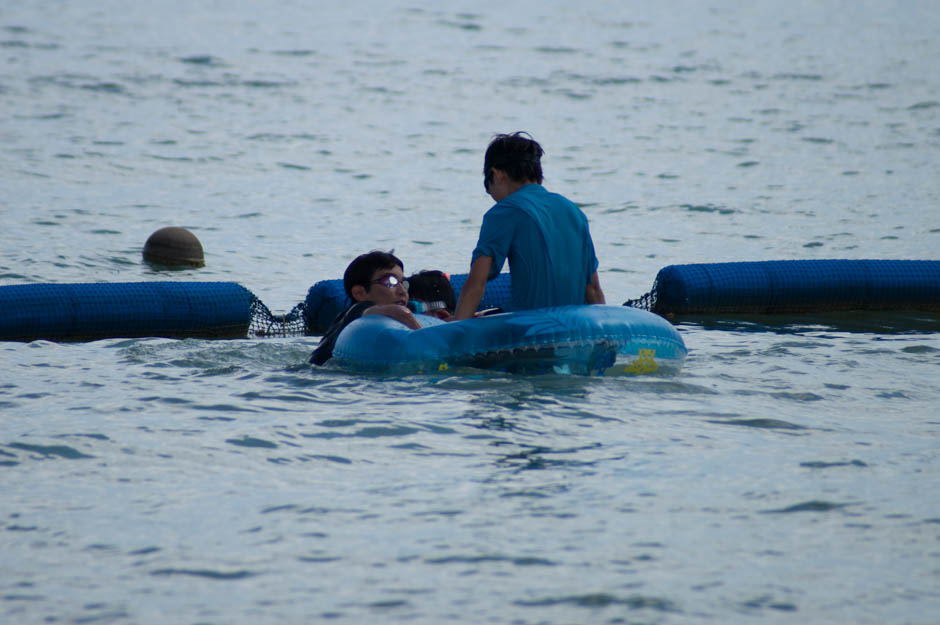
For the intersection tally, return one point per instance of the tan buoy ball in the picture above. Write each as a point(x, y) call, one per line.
point(174, 246)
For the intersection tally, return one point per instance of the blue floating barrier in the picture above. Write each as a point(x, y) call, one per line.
point(89, 311)
point(796, 286)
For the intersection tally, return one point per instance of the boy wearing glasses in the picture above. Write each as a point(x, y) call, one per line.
point(544, 235)
point(375, 282)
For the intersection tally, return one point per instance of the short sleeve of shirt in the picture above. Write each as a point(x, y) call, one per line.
point(496, 236)
point(593, 263)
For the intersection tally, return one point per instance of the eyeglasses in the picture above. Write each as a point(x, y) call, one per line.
point(389, 281)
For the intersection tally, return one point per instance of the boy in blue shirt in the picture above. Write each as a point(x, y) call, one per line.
point(544, 235)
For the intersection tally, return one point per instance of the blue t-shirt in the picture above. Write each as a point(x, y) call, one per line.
point(546, 239)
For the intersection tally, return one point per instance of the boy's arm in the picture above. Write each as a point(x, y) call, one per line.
point(473, 288)
point(396, 312)
point(593, 294)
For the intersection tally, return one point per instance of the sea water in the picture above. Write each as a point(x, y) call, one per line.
point(788, 474)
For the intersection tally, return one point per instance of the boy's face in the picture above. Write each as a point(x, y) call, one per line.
point(381, 288)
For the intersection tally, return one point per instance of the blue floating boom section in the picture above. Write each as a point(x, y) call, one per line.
point(327, 298)
point(797, 286)
point(89, 311)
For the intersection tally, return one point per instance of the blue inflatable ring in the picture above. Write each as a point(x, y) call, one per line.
point(584, 340)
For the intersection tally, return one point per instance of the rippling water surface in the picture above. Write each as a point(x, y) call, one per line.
point(788, 474)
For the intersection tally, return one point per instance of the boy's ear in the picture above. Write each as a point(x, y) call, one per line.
point(358, 293)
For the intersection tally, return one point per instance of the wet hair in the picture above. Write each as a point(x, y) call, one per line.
point(363, 267)
point(432, 286)
point(518, 154)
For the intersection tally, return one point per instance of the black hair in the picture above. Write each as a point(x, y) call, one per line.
point(361, 269)
point(432, 286)
point(517, 154)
